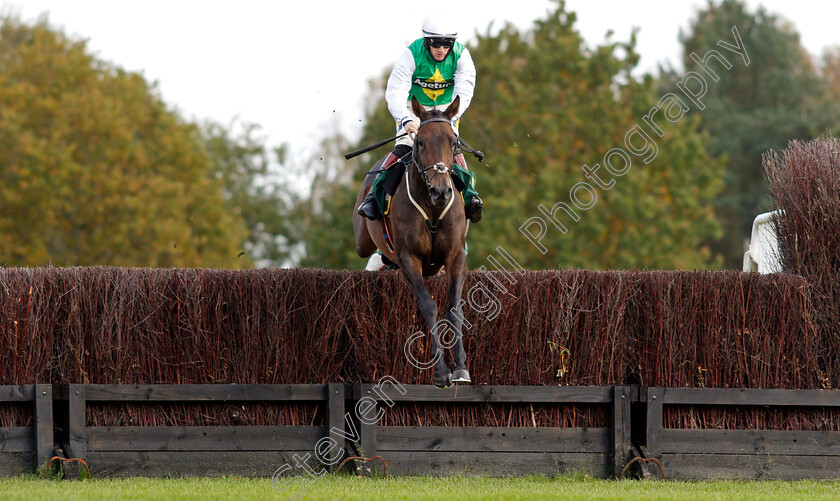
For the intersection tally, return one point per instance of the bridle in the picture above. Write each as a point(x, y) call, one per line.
point(439, 168)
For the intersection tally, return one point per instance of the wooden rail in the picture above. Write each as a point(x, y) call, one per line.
point(23, 448)
point(739, 453)
point(352, 423)
point(259, 450)
point(445, 450)
point(199, 450)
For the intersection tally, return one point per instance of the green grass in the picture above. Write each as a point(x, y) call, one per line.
point(455, 488)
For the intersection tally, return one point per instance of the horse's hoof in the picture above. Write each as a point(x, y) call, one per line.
point(444, 381)
point(461, 376)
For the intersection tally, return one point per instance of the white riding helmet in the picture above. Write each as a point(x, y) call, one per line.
point(437, 25)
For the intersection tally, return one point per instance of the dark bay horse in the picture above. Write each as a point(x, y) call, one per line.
point(428, 229)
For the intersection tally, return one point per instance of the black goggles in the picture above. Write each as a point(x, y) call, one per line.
point(437, 43)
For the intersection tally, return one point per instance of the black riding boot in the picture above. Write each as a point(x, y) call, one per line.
point(472, 210)
point(368, 207)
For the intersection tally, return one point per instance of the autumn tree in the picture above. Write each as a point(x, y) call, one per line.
point(95, 169)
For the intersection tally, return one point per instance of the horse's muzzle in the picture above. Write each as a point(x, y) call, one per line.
point(440, 195)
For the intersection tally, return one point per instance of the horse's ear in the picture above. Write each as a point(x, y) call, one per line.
point(417, 109)
point(452, 110)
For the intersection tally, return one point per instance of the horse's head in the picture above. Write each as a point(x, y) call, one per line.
point(434, 149)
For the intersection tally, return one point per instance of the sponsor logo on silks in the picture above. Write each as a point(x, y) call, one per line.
point(434, 86)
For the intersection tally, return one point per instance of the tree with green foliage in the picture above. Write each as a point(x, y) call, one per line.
point(778, 97)
point(545, 106)
point(323, 216)
point(830, 71)
point(256, 188)
point(96, 170)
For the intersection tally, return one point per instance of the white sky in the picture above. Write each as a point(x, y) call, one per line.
point(302, 68)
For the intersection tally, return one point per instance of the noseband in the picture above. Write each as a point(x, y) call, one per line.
point(439, 168)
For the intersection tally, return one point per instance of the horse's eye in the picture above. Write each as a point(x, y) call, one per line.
point(420, 141)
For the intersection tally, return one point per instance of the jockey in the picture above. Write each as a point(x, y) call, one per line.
point(434, 69)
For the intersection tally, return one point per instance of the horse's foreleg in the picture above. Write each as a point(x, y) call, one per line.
point(456, 270)
point(412, 271)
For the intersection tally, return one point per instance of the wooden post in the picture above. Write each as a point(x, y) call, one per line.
point(76, 421)
point(335, 421)
point(653, 422)
point(621, 428)
point(44, 440)
point(367, 432)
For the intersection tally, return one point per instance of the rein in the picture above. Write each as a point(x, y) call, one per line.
point(439, 168)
